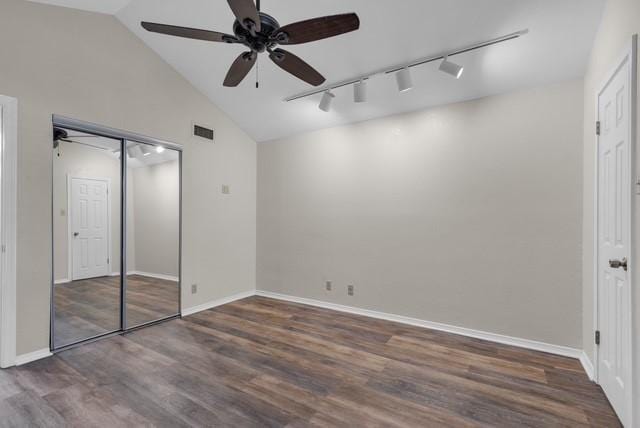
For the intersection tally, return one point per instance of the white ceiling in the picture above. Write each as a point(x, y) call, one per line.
point(110, 7)
point(392, 32)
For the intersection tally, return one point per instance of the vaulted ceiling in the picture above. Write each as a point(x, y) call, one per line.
point(392, 32)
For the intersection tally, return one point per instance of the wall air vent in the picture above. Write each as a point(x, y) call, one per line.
point(202, 132)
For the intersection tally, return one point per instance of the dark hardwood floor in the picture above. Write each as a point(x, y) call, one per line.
point(91, 307)
point(260, 362)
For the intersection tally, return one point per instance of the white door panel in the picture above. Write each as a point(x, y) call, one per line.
point(89, 228)
point(614, 198)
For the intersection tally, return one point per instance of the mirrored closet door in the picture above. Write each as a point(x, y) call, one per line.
point(87, 289)
point(153, 233)
point(116, 221)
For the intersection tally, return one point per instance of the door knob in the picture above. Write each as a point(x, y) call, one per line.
point(76, 234)
point(617, 264)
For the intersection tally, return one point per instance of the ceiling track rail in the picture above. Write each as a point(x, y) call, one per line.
point(416, 63)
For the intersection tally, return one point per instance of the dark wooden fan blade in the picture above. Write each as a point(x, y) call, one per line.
point(294, 65)
point(189, 33)
point(317, 29)
point(245, 10)
point(240, 68)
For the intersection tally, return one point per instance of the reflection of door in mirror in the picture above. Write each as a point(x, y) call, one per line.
point(153, 233)
point(89, 218)
point(86, 236)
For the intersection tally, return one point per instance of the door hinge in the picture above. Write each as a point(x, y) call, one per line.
point(598, 128)
point(597, 337)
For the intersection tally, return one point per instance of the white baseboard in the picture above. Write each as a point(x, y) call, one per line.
point(587, 365)
point(216, 303)
point(154, 275)
point(491, 337)
point(61, 281)
point(32, 356)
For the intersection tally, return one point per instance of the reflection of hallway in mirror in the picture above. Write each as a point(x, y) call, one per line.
point(88, 308)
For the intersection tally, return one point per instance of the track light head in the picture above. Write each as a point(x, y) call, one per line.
point(405, 82)
point(159, 149)
point(145, 150)
point(451, 68)
point(131, 152)
point(360, 91)
point(325, 103)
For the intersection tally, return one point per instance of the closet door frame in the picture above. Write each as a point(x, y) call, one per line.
point(124, 137)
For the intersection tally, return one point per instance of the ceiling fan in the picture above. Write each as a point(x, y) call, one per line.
point(262, 33)
point(60, 134)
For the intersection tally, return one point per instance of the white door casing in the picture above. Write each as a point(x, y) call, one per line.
point(8, 193)
point(615, 171)
point(89, 227)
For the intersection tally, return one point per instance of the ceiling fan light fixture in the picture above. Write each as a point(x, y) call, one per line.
point(360, 92)
point(451, 68)
point(404, 80)
point(325, 103)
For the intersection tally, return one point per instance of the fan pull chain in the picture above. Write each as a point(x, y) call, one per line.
point(258, 73)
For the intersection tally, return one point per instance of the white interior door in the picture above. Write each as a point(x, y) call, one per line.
point(89, 228)
point(614, 198)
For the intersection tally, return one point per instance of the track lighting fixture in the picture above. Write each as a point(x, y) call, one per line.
point(405, 82)
point(145, 150)
point(360, 91)
point(451, 68)
point(402, 72)
point(159, 149)
point(325, 103)
point(131, 151)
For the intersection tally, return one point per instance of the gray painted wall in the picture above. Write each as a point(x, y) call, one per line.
point(468, 214)
point(119, 83)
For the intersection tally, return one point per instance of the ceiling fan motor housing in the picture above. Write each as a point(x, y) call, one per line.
point(258, 41)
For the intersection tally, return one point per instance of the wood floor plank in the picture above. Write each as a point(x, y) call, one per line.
point(90, 307)
point(259, 362)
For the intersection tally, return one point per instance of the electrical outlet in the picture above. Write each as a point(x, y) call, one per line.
point(329, 285)
point(350, 290)
point(194, 288)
